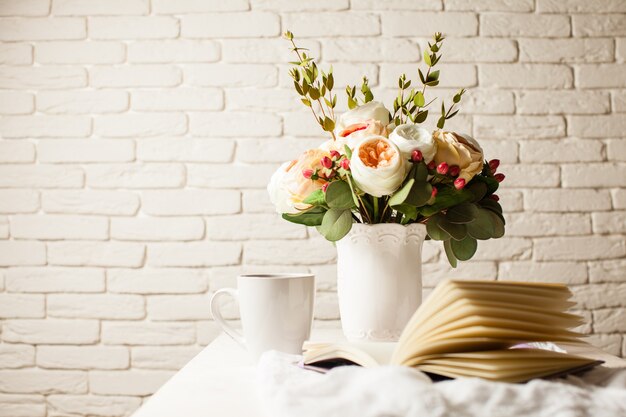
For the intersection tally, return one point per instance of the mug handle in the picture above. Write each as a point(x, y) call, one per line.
point(217, 315)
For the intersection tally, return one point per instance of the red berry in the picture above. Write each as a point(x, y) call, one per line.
point(442, 168)
point(454, 170)
point(431, 165)
point(494, 164)
point(499, 177)
point(416, 156)
point(494, 197)
point(345, 164)
point(335, 155)
point(307, 173)
point(434, 193)
point(325, 186)
point(326, 162)
point(459, 183)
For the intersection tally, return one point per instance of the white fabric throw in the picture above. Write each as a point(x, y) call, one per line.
point(390, 391)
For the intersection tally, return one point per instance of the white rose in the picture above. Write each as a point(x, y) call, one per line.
point(279, 195)
point(377, 166)
point(410, 137)
point(368, 111)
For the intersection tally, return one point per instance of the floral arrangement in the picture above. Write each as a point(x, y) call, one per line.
point(383, 167)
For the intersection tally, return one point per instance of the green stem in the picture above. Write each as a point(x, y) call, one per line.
point(375, 209)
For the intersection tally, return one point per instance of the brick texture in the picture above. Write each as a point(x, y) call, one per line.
point(137, 138)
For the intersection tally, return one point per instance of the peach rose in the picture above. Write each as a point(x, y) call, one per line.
point(288, 187)
point(377, 166)
point(461, 150)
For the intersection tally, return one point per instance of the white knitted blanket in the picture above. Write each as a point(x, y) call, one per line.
point(289, 391)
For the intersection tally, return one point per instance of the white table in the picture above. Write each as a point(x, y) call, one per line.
point(220, 381)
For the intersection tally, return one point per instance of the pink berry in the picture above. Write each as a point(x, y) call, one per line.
point(499, 177)
point(345, 164)
point(454, 170)
point(494, 164)
point(307, 173)
point(494, 197)
point(434, 193)
point(335, 155)
point(325, 186)
point(326, 162)
point(442, 168)
point(416, 156)
point(431, 165)
point(459, 183)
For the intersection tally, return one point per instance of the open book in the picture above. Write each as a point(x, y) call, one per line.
point(473, 329)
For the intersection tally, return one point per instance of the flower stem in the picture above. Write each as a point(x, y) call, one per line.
point(375, 200)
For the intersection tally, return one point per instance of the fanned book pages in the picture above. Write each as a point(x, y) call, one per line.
point(475, 329)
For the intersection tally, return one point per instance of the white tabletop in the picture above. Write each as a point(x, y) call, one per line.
point(219, 381)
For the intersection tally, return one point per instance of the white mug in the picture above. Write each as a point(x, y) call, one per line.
point(276, 311)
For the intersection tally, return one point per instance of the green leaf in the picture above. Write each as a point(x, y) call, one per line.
point(329, 124)
point(498, 225)
point(316, 198)
point(462, 214)
point(336, 224)
point(409, 211)
point(456, 231)
point(422, 78)
point(306, 102)
point(339, 195)
point(348, 151)
point(441, 122)
point(331, 81)
point(447, 245)
point(479, 189)
point(419, 99)
point(446, 197)
point(433, 229)
point(311, 217)
point(433, 76)
point(421, 172)
point(402, 194)
point(420, 194)
point(421, 116)
point(427, 59)
point(464, 249)
point(314, 93)
point(432, 83)
point(482, 227)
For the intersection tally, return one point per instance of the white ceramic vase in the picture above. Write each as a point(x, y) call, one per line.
point(379, 279)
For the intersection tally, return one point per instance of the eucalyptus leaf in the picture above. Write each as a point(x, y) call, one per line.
point(339, 195)
point(409, 211)
point(433, 229)
point(482, 227)
point(478, 189)
point(336, 224)
point(456, 231)
point(311, 217)
point(447, 245)
point(498, 225)
point(401, 195)
point(421, 116)
point(316, 198)
point(419, 99)
point(464, 249)
point(463, 213)
point(420, 194)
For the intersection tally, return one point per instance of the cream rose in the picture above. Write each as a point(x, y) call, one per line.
point(288, 187)
point(461, 150)
point(377, 166)
point(368, 111)
point(410, 137)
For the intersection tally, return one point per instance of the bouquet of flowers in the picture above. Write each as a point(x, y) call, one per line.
point(382, 167)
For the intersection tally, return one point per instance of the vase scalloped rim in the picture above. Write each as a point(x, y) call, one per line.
point(365, 226)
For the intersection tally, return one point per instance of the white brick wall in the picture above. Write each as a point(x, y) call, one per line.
point(136, 137)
